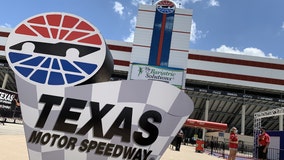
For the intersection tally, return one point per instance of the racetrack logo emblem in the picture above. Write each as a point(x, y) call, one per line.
point(56, 49)
point(58, 59)
point(166, 6)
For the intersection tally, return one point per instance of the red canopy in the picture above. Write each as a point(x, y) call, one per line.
point(205, 124)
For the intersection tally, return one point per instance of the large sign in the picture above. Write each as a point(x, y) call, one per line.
point(57, 58)
point(57, 50)
point(166, 6)
point(7, 98)
point(165, 74)
point(9, 106)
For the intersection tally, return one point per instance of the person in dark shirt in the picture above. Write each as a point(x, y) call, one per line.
point(179, 138)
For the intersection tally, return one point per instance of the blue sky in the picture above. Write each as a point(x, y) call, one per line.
point(248, 27)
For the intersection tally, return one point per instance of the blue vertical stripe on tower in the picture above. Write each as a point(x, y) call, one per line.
point(157, 36)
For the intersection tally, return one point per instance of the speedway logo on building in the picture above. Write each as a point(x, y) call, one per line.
point(166, 6)
point(55, 57)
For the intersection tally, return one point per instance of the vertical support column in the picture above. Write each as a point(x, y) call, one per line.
point(281, 122)
point(243, 119)
point(281, 117)
point(5, 81)
point(256, 131)
point(205, 117)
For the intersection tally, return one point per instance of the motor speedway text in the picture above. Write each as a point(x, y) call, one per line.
point(120, 127)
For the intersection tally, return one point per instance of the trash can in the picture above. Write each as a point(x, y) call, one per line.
point(199, 146)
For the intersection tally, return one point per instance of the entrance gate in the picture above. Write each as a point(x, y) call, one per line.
point(257, 123)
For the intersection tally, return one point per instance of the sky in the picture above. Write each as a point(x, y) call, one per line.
point(246, 27)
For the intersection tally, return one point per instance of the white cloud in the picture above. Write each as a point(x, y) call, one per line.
point(181, 3)
point(247, 51)
point(6, 25)
point(137, 2)
point(213, 3)
point(282, 25)
point(118, 8)
point(130, 38)
point(195, 33)
point(194, 1)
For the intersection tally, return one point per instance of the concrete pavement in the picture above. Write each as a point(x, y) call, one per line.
point(13, 147)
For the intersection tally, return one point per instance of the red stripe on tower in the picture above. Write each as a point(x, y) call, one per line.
point(161, 40)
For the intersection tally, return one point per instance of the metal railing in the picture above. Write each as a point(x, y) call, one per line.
point(9, 115)
point(275, 154)
point(221, 149)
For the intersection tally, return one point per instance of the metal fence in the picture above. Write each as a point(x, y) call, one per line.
point(221, 149)
point(10, 115)
point(275, 154)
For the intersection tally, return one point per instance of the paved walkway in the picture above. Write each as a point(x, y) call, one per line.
point(13, 147)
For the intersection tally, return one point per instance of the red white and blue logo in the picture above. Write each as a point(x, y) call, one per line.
point(166, 6)
point(51, 55)
point(55, 49)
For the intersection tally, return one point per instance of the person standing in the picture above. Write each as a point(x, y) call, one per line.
point(263, 143)
point(233, 143)
point(179, 138)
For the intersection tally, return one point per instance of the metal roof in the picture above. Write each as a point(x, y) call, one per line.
point(225, 106)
